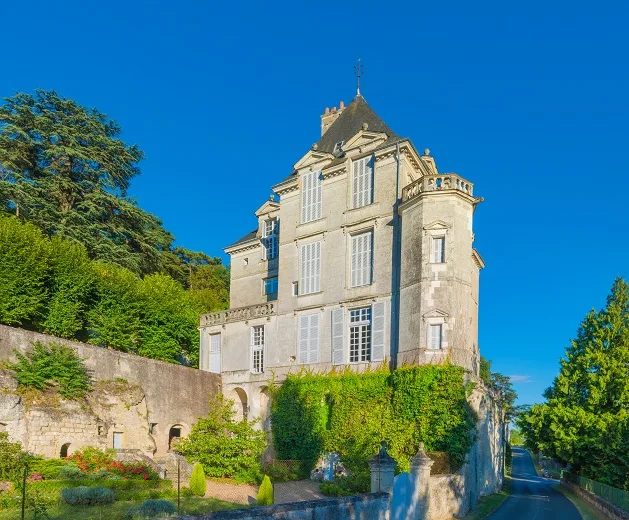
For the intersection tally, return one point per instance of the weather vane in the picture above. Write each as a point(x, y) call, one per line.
point(358, 71)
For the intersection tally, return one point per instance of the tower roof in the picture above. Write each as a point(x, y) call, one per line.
point(350, 122)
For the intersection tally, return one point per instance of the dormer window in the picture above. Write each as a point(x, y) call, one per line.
point(270, 235)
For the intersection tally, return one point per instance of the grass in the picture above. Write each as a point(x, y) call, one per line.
point(116, 511)
point(490, 503)
point(587, 511)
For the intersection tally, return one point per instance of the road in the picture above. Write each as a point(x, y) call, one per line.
point(531, 497)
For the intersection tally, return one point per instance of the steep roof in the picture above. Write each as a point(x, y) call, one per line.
point(350, 122)
point(248, 237)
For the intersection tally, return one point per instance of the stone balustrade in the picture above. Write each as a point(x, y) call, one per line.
point(240, 314)
point(442, 182)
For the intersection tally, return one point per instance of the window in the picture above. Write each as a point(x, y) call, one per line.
point(257, 349)
point(438, 250)
point(362, 182)
point(214, 362)
point(311, 197)
point(360, 335)
point(361, 260)
point(270, 286)
point(295, 288)
point(310, 279)
point(308, 350)
point(270, 234)
point(435, 335)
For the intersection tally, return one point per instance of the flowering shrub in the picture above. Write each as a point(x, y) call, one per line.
point(92, 460)
point(35, 477)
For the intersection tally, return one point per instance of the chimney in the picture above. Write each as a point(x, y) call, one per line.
point(329, 116)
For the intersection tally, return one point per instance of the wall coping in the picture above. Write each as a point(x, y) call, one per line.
point(269, 511)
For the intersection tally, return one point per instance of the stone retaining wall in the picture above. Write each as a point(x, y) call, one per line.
point(374, 506)
point(169, 395)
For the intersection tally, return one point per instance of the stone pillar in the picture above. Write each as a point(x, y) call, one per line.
point(420, 469)
point(382, 471)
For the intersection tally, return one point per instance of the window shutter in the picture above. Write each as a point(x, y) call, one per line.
point(215, 354)
point(377, 342)
point(361, 260)
point(203, 350)
point(318, 192)
point(313, 347)
point(316, 267)
point(303, 339)
point(369, 180)
point(338, 343)
point(362, 182)
point(354, 266)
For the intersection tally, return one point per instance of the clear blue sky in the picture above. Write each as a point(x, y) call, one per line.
point(528, 100)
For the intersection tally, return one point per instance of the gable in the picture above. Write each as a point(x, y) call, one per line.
point(313, 157)
point(268, 207)
point(365, 138)
point(436, 225)
point(436, 313)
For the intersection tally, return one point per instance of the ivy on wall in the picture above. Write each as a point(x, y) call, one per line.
point(351, 413)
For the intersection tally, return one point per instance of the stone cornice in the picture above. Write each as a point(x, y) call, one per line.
point(254, 243)
point(335, 171)
point(478, 260)
point(286, 187)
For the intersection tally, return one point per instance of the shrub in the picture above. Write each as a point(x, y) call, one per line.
point(70, 472)
point(53, 365)
point(11, 458)
point(186, 492)
point(151, 509)
point(224, 446)
point(265, 493)
point(197, 480)
point(49, 469)
point(92, 461)
point(87, 496)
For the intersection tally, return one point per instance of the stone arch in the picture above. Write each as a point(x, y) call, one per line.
point(175, 432)
point(64, 451)
point(241, 404)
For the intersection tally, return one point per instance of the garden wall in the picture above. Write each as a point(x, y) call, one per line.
point(158, 396)
point(374, 506)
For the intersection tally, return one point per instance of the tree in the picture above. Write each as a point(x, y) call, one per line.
point(197, 480)
point(585, 419)
point(265, 493)
point(224, 446)
point(209, 285)
point(65, 169)
point(485, 370)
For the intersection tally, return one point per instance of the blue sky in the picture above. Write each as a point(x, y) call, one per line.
point(528, 100)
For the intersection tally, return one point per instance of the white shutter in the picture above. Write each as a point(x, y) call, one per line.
point(313, 346)
point(434, 339)
point(362, 182)
point(316, 267)
point(437, 249)
point(304, 331)
point(361, 261)
point(368, 180)
point(311, 196)
point(377, 341)
point(338, 332)
point(215, 354)
point(318, 194)
point(203, 350)
point(310, 278)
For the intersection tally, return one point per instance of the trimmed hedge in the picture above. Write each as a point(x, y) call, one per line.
point(87, 496)
point(351, 413)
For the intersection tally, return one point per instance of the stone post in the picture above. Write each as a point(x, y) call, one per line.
point(420, 469)
point(382, 471)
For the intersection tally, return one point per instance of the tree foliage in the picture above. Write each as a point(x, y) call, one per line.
point(585, 419)
point(52, 366)
point(12, 458)
point(197, 480)
point(224, 446)
point(502, 387)
point(65, 169)
point(265, 493)
point(351, 413)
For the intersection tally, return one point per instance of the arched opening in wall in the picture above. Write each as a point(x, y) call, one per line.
point(174, 435)
point(241, 404)
point(64, 450)
point(265, 409)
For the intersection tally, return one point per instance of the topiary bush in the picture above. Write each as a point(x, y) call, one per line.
point(265, 493)
point(197, 480)
point(151, 509)
point(87, 496)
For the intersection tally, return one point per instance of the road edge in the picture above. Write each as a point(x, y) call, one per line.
point(587, 511)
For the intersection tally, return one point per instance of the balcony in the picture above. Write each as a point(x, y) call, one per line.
point(240, 314)
point(443, 182)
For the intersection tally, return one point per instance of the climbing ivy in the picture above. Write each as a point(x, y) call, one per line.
point(351, 413)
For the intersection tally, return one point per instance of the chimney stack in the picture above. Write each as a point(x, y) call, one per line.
point(329, 116)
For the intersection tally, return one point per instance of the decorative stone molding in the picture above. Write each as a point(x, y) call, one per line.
point(240, 314)
point(442, 182)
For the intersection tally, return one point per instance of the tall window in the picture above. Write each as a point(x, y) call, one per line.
point(362, 182)
point(360, 335)
point(270, 286)
point(270, 234)
point(435, 336)
point(309, 339)
point(310, 279)
point(257, 349)
point(439, 250)
point(361, 259)
point(311, 191)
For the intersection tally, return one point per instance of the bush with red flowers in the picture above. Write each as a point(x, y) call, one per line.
point(92, 460)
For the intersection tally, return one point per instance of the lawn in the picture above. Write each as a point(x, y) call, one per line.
point(587, 511)
point(116, 511)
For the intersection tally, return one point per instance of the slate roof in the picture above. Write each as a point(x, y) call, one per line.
point(246, 238)
point(350, 122)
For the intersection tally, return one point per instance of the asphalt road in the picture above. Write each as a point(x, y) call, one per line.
point(531, 497)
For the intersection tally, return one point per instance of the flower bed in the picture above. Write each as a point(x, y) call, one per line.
point(92, 460)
